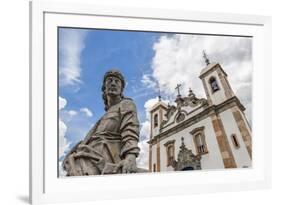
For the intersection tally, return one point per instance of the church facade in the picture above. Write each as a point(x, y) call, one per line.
point(211, 133)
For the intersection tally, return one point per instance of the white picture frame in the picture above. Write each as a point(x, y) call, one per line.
point(46, 187)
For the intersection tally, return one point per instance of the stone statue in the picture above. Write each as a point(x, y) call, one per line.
point(111, 146)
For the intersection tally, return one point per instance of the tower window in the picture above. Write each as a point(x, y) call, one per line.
point(199, 140)
point(214, 84)
point(235, 141)
point(155, 120)
point(170, 149)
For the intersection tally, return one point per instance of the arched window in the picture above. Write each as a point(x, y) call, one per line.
point(214, 84)
point(235, 141)
point(200, 143)
point(170, 149)
point(155, 120)
point(199, 140)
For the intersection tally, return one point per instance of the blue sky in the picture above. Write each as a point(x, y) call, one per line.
point(130, 52)
point(147, 60)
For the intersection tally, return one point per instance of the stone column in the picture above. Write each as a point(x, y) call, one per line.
point(150, 158)
point(246, 136)
point(158, 156)
point(224, 146)
point(207, 91)
point(226, 87)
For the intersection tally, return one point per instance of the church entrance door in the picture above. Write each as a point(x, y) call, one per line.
point(187, 168)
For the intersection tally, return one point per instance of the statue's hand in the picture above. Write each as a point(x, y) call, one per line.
point(69, 165)
point(129, 164)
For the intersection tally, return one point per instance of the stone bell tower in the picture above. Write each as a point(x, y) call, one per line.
point(219, 92)
point(215, 82)
point(157, 115)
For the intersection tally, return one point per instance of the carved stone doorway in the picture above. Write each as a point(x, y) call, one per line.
point(186, 160)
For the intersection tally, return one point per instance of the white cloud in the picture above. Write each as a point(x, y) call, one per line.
point(149, 104)
point(71, 47)
point(68, 115)
point(178, 59)
point(63, 143)
point(142, 160)
point(61, 170)
point(72, 113)
point(86, 111)
point(145, 131)
point(62, 103)
point(148, 81)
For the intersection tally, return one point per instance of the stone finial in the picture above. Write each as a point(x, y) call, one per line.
point(159, 92)
point(182, 143)
point(207, 61)
point(191, 94)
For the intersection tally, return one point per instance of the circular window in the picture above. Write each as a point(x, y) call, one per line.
point(180, 117)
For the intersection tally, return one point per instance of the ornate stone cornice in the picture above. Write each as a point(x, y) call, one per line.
point(165, 125)
point(197, 129)
point(155, 108)
point(169, 142)
point(210, 69)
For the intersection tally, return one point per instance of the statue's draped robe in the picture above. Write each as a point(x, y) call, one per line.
point(114, 136)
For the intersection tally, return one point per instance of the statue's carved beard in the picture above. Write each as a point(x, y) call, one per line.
point(113, 94)
point(113, 91)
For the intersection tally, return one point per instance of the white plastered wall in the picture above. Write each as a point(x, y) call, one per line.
point(212, 160)
point(241, 155)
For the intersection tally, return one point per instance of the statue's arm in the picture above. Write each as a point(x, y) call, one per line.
point(69, 161)
point(129, 130)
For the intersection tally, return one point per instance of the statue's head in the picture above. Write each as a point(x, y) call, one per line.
point(113, 85)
